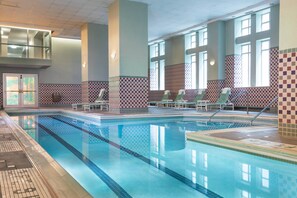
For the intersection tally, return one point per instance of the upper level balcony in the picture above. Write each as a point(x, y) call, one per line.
point(25, 48)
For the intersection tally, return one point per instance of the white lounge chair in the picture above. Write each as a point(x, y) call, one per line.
point(222, 101)
point(99, 102)
point(165, 99)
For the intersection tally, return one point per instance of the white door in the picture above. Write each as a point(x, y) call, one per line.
point(20, 90)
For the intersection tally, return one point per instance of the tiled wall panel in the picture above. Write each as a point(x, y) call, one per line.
point(175, 78)
point(91, 89)
point(258, 96)
point(70, 93)
point(128, 93)
point(214, 88)
point(287, 102)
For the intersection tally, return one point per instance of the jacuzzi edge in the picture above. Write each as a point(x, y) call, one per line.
point(269, 153)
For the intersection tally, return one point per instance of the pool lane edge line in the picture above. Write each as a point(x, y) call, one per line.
point(114, 186)
point(164, 169)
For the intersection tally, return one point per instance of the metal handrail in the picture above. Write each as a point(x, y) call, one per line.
point(272, 101)
point(240, 94)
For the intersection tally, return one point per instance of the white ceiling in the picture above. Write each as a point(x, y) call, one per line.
point(66, 17)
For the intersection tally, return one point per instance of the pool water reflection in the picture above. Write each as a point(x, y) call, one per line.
point(152, 158)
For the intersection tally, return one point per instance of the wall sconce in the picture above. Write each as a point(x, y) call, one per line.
point(212, 62)
point(113, 55)
point(84, 65)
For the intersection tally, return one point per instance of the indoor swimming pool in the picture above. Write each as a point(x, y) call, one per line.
point(152, 158)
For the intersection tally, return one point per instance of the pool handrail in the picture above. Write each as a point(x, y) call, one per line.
point(258, 114)
point(240, 94)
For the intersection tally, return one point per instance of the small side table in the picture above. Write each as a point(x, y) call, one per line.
point(202, 104)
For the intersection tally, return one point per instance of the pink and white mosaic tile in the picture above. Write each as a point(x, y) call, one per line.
point(214, 88)
point(128, 93)
point(287, 104)
point(70, 93)
point(91, 89)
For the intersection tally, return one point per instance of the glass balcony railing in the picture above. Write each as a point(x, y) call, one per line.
point(24, 51)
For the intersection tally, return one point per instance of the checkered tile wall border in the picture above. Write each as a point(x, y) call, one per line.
point(127, 93)
point(71, 93)
point(287, 103)
point(91, 89)
point(259, 96)
point(214, 88)
point(188, 76)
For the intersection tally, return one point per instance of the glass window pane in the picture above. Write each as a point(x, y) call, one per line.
point(28, 83)
point(265, 17)
point(162, 74)
point(245, 23)
point(12, 83)
point(193, 72)
point(265, 45)
point(265, 26)
point(17, 36)
point(29, 98)
point(203, 70)
point(153, 77)
point(193, 40)
point(203, 37)
point(162, 48)
point(12, 98)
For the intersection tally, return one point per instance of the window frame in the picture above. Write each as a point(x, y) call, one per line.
point(157, 60)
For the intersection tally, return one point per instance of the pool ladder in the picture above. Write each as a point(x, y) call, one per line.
point(258, 114)
point(240, 94)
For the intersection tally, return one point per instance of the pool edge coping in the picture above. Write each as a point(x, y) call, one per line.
point(56, 179)
point(266, 152)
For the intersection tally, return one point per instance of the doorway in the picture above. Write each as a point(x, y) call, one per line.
point(20, 90)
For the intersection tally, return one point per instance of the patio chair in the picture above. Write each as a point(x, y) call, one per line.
point(222, 100)
point(179, 98)
point(165, 98)
point(99, 101)
point(198, 98)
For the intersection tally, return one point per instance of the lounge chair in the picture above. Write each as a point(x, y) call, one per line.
point(98, 102)
point(221, 102)
point(198, 98)
point(165, 98)
point(179, 98)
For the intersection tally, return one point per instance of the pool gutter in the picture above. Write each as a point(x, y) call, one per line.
point(56, 179)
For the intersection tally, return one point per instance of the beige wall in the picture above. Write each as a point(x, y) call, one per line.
point(94, 39)
point(128, 37)
point(84, 52)
point(113, 39)
point(288, 26)
point(66, 63)
point(175, 50)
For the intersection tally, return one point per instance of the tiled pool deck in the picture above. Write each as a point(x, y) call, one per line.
point(33, 173)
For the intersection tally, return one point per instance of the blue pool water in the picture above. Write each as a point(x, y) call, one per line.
point(151, 158)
